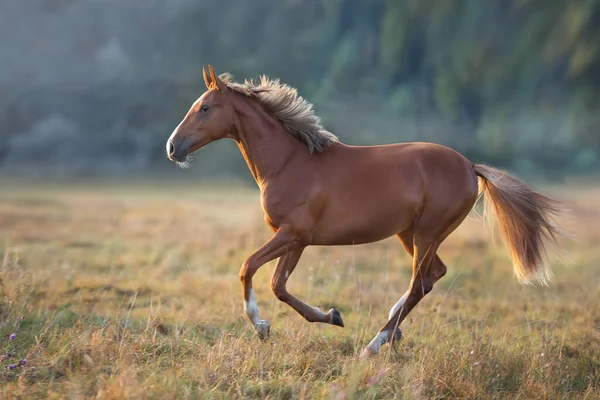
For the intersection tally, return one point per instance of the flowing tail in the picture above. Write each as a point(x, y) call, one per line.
point(526, 220)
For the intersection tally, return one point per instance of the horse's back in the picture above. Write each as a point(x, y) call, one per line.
point(387, 186)
point(407, 159)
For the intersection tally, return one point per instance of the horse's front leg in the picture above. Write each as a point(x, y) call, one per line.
point(282, 242)
point(285, 267)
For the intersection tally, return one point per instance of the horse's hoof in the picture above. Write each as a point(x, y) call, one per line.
point(263, 329)
point(397, 336)
point(336, 318)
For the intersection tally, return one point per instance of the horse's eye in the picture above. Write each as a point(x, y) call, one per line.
point(204, 107)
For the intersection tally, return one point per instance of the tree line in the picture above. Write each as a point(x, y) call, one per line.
point(512, 82)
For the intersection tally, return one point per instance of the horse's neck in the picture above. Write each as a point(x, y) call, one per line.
point(264, 143)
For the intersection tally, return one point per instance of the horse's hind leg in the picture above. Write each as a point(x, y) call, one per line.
point(285, 267)
point(438, 270)
point(422, 282)
point(426, 236)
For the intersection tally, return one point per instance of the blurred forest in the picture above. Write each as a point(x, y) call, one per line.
point(95, 87)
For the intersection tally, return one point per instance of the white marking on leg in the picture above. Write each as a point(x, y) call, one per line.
point(252, 309)
point(397, 306)
point(379, 340)
point(287, 274)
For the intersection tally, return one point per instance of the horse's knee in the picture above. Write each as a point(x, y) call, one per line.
point(279, 291)
point(248, 269)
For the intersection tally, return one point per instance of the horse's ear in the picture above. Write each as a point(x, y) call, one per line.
point(217, 82)
point(206, 78)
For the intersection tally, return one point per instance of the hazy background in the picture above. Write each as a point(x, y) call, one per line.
point(95, 87)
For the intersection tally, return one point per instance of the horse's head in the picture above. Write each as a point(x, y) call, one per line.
point(210, 118)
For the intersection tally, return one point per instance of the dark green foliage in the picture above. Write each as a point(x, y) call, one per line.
point(513, 82)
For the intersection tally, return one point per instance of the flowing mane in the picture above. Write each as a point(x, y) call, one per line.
point(283, 103)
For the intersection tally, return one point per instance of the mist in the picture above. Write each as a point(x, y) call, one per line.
point(94, 88)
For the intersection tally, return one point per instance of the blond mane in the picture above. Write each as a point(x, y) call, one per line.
point(286, 106)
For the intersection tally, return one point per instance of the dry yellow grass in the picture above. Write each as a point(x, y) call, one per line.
point(120, 291)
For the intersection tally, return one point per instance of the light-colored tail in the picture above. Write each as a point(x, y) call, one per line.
point(526, 220)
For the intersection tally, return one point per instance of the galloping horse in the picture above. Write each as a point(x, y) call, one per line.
point(316, 190)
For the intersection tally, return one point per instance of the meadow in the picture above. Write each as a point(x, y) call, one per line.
point(131, 290)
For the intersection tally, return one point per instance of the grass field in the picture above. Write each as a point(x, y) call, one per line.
point(132, 291)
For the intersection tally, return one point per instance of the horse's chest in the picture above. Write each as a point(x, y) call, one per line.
point(289, 204)
point(274, 208)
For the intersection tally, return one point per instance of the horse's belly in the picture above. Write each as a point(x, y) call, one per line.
point(347, 227)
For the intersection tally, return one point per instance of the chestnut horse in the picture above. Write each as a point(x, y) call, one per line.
point(316, 190)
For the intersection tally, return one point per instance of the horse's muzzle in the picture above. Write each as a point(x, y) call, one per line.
point(177, 153)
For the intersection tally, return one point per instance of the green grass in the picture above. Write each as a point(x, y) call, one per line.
point(132, 291)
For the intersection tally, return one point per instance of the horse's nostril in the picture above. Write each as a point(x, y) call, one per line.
point(171, 148)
